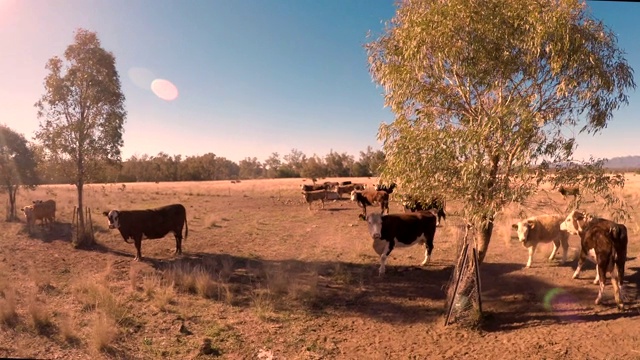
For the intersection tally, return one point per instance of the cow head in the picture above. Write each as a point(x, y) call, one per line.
point(28, 213)
point(354, 195)
point(114, 218)
point(374, 223)
point(523, 227)
point(574, 223)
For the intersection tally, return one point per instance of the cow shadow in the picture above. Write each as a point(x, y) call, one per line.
point(403, 295)
point(56, 231)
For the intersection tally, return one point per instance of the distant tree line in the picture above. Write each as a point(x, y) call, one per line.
point(164, 167)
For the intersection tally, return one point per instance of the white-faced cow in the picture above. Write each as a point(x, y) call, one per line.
point(401, 230)
point(543, 229)
point(605, 243)
point(150, 224)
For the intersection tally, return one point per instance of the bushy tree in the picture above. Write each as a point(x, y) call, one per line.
point(17, 167)
point(82, 110)
point(486, 95)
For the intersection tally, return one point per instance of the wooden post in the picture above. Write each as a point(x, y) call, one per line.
point(90, 223)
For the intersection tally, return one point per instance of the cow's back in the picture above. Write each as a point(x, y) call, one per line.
point(546, 228)
point(406, 227)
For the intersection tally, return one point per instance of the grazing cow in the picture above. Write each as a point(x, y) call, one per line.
point(389, 231)
point(605, 243)
point(150, 224)
point(313, 187)
point(435, 203)
point(572, 191)
point(311, 196)
point(44, 211)
point(386, 188)
point(345, 189)
point(543, 229)
point(369, 198)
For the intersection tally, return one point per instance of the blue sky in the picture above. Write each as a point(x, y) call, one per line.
point(253, 76)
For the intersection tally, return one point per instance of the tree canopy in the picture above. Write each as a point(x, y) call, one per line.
point(82, 110)
point(489, 96)
point(17, 166)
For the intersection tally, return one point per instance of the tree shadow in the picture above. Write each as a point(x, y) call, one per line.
point(515, 301)
point(57, 231)
point(403, 295)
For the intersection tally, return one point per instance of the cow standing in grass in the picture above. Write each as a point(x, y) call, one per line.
point(150, 224)
point(543, 229)
point(44, 211)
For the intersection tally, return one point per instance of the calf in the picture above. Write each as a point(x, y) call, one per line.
point(311, 196)
point(543, 229)
point(150, 224)
point(435, 203)
point(44, 211)
point(369, 198)
point(402, 230)
point(572, 191)
point(605, 243)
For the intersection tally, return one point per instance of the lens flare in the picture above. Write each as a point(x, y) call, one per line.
point(164, 89)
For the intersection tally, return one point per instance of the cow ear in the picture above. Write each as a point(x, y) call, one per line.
point(105, 213)
point(515, 226)
point(531, 224)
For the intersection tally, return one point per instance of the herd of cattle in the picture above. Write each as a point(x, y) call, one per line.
point(602, 241)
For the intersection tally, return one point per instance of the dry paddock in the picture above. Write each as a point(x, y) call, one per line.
point(262, 277)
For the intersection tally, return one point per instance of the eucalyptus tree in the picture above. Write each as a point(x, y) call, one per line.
point(82, 110)
point(489, 97)
point(17, 166)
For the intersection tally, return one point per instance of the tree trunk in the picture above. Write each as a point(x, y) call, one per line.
point(11, 212)
point(83, 238)
point(483, 237)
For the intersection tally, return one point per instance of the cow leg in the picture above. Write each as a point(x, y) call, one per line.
point(564, 241)
point(138, 243)
point(556, 244)
point(532, 250)
point(427, 252)
point(384, 256)
point(581, 260)
point(602, 278)
point(617, 288)
point(322, 201)
point(178, 244)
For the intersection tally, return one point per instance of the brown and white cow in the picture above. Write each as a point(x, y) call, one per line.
point(150, 224)
point(370, 197)
point(319, 195)
point(313, 187)
point(543, 229)
point(605, 243)
point(401, 230)
point(44, 211)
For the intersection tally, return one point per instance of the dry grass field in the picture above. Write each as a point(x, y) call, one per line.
point(262, 277)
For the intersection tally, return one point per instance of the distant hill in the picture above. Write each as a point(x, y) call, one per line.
point(623, 162)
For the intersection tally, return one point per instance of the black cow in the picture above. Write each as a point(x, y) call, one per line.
point(436, 203)
point(401, 230)
point(150, 224)
point(386, 188)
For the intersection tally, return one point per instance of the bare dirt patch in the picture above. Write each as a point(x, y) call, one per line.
point(264, 277)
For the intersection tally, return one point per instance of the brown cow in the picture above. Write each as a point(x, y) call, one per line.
point(40, 210)
point(543, 229)
point(150, 224)
point(370, 197)
point(571, 191)
point(605, 243)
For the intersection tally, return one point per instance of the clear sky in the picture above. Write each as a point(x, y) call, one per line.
point(253, 76)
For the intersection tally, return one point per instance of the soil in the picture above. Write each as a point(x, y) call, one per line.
point(287, 282)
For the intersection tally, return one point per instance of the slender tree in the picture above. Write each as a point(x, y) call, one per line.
point(489, 95)
point(82, 110)
point(17, 167)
